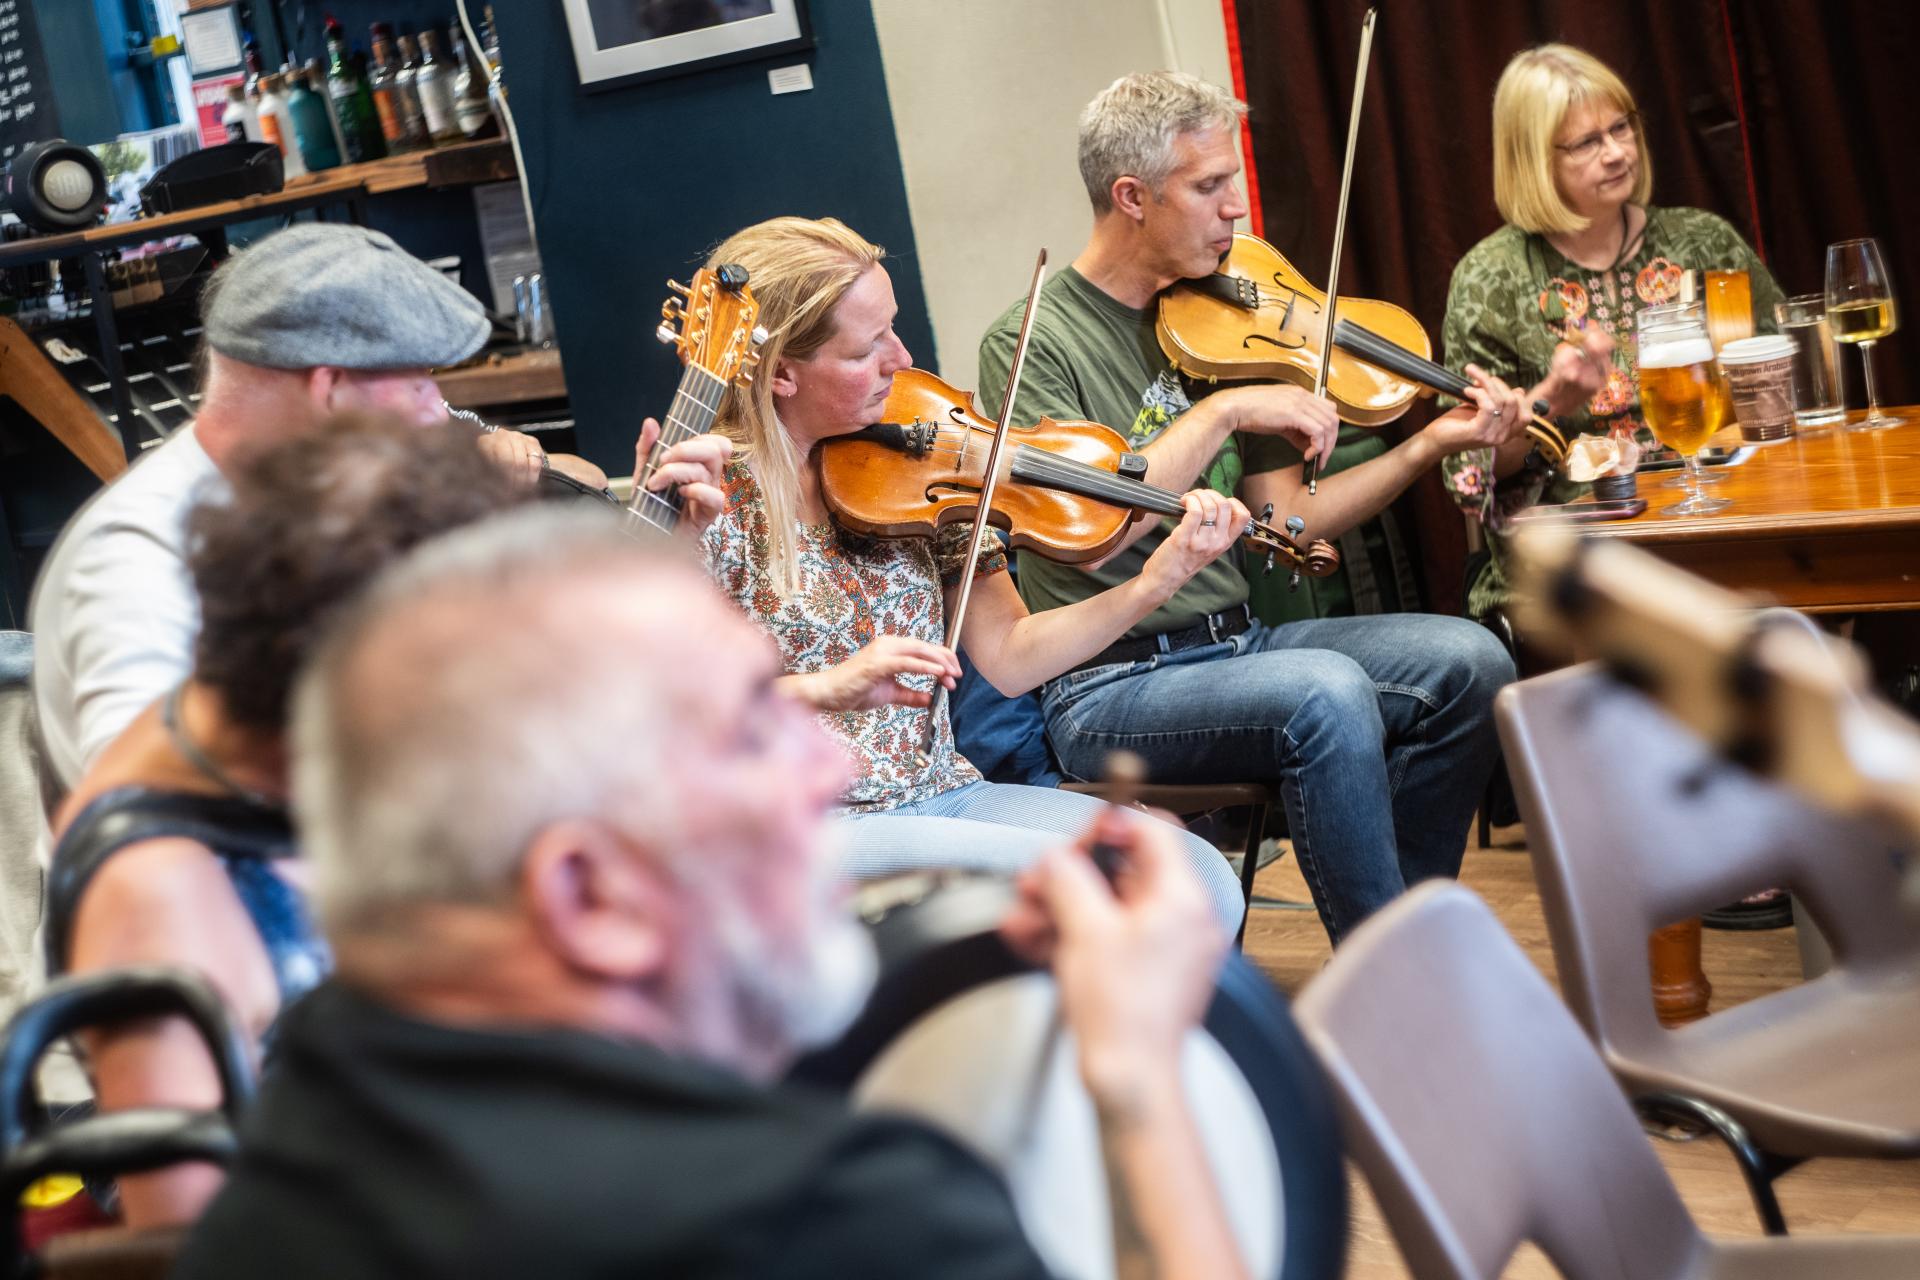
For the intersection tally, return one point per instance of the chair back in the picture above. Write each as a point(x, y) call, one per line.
point(1477, 1109)
point(1634, 824)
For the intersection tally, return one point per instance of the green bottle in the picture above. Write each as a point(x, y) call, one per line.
point(352, 101)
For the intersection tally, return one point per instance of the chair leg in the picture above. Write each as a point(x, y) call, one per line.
point(1249, 867)
point(1486, 817)
point(1758, 1167)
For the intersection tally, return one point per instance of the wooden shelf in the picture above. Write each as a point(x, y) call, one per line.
point(462, 164)
point(504, 379)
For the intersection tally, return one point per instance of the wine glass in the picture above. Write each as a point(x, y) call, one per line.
point(1683, 396)
point(1860, 308)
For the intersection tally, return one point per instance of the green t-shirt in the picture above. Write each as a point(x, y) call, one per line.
point(1514, 298)
point(1092, 358)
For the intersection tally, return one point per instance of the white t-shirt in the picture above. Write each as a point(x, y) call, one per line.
point(114, 613)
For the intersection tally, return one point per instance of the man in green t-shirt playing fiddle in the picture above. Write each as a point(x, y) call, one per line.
point(1378, 729)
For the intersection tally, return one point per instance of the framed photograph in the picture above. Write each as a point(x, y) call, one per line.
point(619, 42)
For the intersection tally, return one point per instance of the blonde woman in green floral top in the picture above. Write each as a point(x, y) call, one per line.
point(1553, 297)
point(861, 621)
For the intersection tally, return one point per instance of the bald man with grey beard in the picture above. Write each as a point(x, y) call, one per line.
point(584, 909)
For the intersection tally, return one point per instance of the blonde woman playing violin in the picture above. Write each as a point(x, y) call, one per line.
point(860, 621)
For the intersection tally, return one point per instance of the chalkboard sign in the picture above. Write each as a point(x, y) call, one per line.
point(27, 113)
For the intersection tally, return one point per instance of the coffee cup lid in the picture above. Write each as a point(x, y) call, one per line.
point(1756, 350)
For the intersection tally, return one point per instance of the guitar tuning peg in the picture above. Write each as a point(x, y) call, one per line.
point(670, 309)
point(760, 336)
point(679, 288)
point(666, 335)
point(746, 378)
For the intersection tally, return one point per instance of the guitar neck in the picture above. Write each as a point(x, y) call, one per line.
point(696, 403)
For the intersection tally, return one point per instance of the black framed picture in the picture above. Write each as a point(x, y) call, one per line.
point(618, 42)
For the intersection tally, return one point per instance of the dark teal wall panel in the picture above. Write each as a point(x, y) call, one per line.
point(70, 37)
point(634, 185)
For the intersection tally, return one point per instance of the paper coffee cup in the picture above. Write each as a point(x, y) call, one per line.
point(1759, 373)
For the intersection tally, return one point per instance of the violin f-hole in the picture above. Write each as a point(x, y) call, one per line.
point(1252, 338)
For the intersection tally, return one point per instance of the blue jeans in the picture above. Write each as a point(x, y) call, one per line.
point(1000, 828)
point(1379, 731)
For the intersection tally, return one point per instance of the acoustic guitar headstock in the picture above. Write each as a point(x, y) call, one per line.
point(715, 323)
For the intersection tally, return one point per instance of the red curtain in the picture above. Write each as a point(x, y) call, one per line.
point(1826, 150)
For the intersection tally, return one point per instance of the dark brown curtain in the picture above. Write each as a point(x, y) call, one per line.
point(1827, 151)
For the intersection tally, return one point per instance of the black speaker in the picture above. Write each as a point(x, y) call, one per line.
point(55, 186)
point(225, 172)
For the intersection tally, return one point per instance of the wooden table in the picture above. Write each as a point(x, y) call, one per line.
point(1827, 523)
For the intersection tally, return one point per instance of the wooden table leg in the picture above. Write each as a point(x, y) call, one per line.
point(1680, 986)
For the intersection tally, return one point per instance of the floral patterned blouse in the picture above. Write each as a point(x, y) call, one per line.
point(852, 591)
point(1514, 298)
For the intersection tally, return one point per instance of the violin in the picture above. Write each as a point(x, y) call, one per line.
point(1371, 347)
point(1259, 318)
point(1067, 490)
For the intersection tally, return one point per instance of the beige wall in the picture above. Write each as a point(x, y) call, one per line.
point(985, 95)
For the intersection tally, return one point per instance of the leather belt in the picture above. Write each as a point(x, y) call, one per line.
point(1211, 629)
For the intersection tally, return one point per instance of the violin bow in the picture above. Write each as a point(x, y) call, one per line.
point(981, 530)
point(1313, 465)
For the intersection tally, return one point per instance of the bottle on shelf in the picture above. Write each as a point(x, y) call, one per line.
point(406, 90)
point(317, 82)
point(435, 80)
point(352, 100)
point(471, 109)
point(312, 126)
point(256, 67)
point(382, 84)
point(276, 126)
point(241, 119)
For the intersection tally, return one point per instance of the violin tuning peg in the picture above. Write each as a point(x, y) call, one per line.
point(1293, 581)
point(1271, 557)
point(1295, 526)
point(1266, 513)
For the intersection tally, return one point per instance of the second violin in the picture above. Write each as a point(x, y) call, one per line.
point(1259, 318)
point(1068, 490)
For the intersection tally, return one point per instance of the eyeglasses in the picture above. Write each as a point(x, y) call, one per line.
point(1584, 149)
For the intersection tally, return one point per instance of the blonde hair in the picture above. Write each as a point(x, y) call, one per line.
point(1131, 126)
point(1536, 91)
point(798, 270)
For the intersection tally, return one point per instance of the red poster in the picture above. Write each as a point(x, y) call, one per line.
point(210, 103)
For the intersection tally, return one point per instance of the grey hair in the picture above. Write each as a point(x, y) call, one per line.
point(471, 698)
point(1130, 127)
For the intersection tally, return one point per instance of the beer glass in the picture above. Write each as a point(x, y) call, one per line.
point(1860, 309)
point(1682, 394)
point(1819, 394)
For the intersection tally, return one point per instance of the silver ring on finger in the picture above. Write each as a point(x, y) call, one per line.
point(1209, 522)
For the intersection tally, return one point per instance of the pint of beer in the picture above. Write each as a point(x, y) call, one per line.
point(1683, 396)
point(1682, 393)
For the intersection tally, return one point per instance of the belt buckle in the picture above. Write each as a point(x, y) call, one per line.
point(1213, 627)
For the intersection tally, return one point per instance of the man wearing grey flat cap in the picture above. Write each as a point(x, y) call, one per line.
point(312, 321)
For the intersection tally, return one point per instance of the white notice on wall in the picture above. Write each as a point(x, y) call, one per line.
point(795, 79)
point(212, 39)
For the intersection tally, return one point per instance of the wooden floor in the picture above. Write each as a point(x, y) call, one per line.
point(1821, 1196)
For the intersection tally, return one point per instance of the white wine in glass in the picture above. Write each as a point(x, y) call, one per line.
point(1861, 309)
